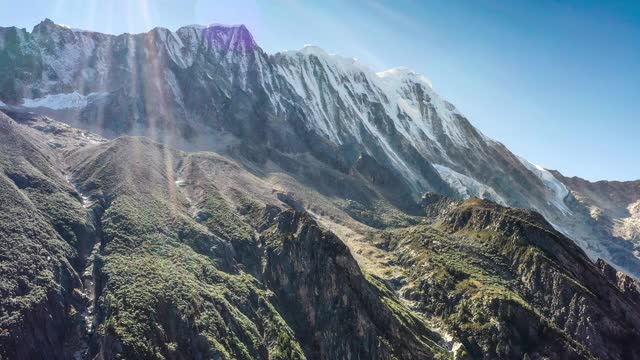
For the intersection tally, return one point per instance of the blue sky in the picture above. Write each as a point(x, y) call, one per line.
point(558, 82)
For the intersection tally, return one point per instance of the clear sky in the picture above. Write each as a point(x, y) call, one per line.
point(558, 82)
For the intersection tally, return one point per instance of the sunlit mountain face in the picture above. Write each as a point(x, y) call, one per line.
point(187, 195)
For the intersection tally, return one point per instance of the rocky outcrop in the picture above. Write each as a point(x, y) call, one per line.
point(339, 313)
point(613, 212)
point(509, 285)
point(629, 286)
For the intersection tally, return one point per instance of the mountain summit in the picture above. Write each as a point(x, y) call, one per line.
point(213, 88)
point(193, 196)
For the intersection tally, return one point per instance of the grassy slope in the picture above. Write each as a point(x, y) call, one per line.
point(196, 258)
point(172, 286)
point(43, 233)
point(505, 283)
point(164, 293)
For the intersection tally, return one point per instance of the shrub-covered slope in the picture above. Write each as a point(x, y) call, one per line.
point(176, 277)
point(508, 285)
point(45, 235)
point(131, 249)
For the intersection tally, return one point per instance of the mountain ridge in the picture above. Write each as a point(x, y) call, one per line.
point(213, 88)
point(190, 254)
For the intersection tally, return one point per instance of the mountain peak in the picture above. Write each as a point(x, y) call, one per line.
point(45, 24)
point(47, 21)
point(310, 49)
point(48, 25)
point(231, 37)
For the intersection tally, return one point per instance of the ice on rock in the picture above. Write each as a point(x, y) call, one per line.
point(467, 186)
point(401, 73)
point(62, 101)
point(557, 190)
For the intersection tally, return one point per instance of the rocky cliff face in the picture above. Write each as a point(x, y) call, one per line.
point(613, 210)
point(213, 88)
point(510, 286)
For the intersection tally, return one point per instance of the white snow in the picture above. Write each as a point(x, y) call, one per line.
point(556, 190)
point(467, 186)
point(2, 104)
point(86, 202)
point(224, 26)
point(71, 57)
point(61, 101)
point(310, 49)
point(337, 89)
point(174, 47)
point(403, 72)
point(398, 84)
point(393, 88)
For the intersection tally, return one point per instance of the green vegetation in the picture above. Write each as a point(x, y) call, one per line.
point(380, 215)
point(164, 285)
point(472, 279)
point(221, 218)
point(408, 320)
point(42, 228)
point(187, 271)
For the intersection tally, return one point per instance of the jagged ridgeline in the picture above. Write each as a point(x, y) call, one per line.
point(338, 218)
point(316, 115)
point(131, 249)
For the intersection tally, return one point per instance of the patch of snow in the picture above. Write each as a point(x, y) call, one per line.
point(450, 342)
point(310, 49)
point(174, 47)
point(467, 186)
point(173, 86)
point(403, 72)
point(2, 104)
point(398, 83)
point(61, 101)
point(64, 26)
point(86, 202)
point(348, 79)
point(556, 189)
point(71, 57)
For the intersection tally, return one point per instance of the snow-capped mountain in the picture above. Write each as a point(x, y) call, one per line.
point(310, 113)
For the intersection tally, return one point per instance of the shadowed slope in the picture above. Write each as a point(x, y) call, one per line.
point(45, 235)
